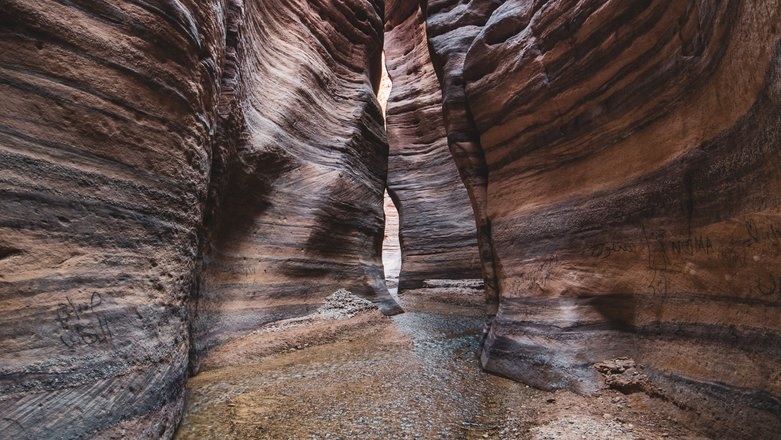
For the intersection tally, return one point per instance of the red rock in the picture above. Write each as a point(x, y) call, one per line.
point(105, 134)
point(177, 174)
point(437, 229)
point(632, 192)
point(451, 27)
point(297, 191)
point(136, 137)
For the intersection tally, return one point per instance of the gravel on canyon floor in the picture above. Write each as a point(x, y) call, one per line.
point(410, 376)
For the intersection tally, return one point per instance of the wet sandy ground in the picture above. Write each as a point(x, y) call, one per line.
point(411, 376)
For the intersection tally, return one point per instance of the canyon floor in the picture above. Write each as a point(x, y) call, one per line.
point(411, 376)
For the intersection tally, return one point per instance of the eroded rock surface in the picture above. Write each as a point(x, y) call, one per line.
point(451, 27)
point(105, 128)
point(437, 226)
point(391, 247)
point(633, 192)
point(300, 175)
point(175, 175)
point(137, 139)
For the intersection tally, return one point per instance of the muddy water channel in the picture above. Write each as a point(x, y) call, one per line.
point(410, 376)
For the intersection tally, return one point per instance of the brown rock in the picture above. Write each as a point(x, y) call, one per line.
point(624, 375)
point(122, 127)
point(297, 190)
point(175, 175)
point(633, 195)
point(391, 247)
point(437, 230)
point(451, 27)
point(105, 127)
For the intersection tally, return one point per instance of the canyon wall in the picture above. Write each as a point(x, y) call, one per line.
point(437, 227)
point(104, 161)
point(297, 208)
point(391, 248)
point(175, 175)
point(137, 137)
point(631, 151)
point(450, 28)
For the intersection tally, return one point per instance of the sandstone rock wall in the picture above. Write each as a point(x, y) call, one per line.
point(299, 207)
point(631, 152)
point(175, 174)
point(437, 226)
point(391, 248)
point(106, 123)
point(137, 139)
point(451, 27)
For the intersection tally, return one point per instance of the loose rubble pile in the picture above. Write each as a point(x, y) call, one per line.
point(624, 375)
point(343, 304)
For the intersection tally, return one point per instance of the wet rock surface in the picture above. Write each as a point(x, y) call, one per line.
point(411, 376)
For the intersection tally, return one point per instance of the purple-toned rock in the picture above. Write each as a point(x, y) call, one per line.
point(106, 126)
point(173, 175)
point(632, 192)
point(451, 27)
point(437, 226)
point(296, 202)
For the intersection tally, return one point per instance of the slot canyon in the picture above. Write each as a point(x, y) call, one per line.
point(377, 219)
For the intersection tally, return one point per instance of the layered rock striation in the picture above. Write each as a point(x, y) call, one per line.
point(106, 123)
point(175, 175)
point(298, 198)
point(391, 248)
point(437, 226)
point(174, 168)
point(450, 28)
point(632, 192)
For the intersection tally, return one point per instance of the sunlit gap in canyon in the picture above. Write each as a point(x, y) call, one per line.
point(583, 207)
point(391, 248)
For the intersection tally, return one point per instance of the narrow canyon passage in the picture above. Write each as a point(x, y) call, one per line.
point(391, 248)
point(193, 196)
